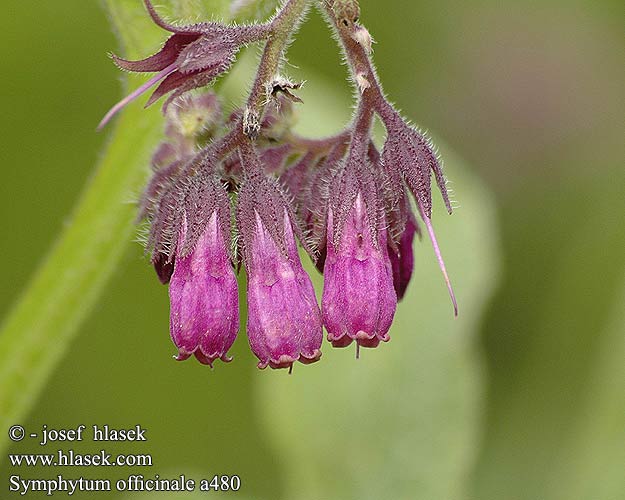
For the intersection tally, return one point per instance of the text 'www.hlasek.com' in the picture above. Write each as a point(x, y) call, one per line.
point(22, 481)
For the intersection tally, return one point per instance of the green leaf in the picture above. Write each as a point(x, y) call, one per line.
point(403, 421)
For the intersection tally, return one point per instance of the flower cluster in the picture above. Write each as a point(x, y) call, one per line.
point(244, 189)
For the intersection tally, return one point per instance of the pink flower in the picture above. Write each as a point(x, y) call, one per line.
point(359, 300)
point(204, 316)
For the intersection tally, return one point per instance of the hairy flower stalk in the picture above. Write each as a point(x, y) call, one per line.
point(359, 300)
point(346, 204)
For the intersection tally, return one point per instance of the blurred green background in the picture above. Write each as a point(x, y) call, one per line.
point(521, 397)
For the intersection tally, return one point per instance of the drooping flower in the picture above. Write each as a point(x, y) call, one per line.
point(401, 222)
point(192, 57)
point(346, 203)
point(284, 321)
point(284, 324)
point(204, 316)
point(359, 299)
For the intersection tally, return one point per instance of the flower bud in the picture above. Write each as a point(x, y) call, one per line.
point(192, 57)
point(204, 300)
point(193, 117)
point(359, 300)
point(413, 155)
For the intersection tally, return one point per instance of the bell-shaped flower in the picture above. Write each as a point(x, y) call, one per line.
point(204, 316)
point(284, 321)
point(359, 300)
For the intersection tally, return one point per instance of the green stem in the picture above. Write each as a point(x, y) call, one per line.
point(283, 27)
point(38, 331)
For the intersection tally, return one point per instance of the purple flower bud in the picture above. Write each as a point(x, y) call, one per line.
point(359, 300)
point(192, 57)
point(414, 156)
point(204, 300)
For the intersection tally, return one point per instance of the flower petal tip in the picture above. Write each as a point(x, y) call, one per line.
point(307, 360)
point(182, 355)
point(209, 360)
point(342, 340)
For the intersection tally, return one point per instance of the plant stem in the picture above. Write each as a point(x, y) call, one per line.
point(360, 64)
point(283, 27)
point(37, 333)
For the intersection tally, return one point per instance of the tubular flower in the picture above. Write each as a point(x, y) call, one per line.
point(284, 324)
point(284, 321)
point(359, 300)
point(204, 316)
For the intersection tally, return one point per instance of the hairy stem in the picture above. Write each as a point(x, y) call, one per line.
point(37, 332)
point(283, 27)
point(318, 146)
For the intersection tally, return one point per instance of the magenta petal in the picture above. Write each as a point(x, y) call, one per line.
point(203, 294)
point(359, 299)
point(284, 321)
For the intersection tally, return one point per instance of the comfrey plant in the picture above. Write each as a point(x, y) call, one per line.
point(245, 189)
